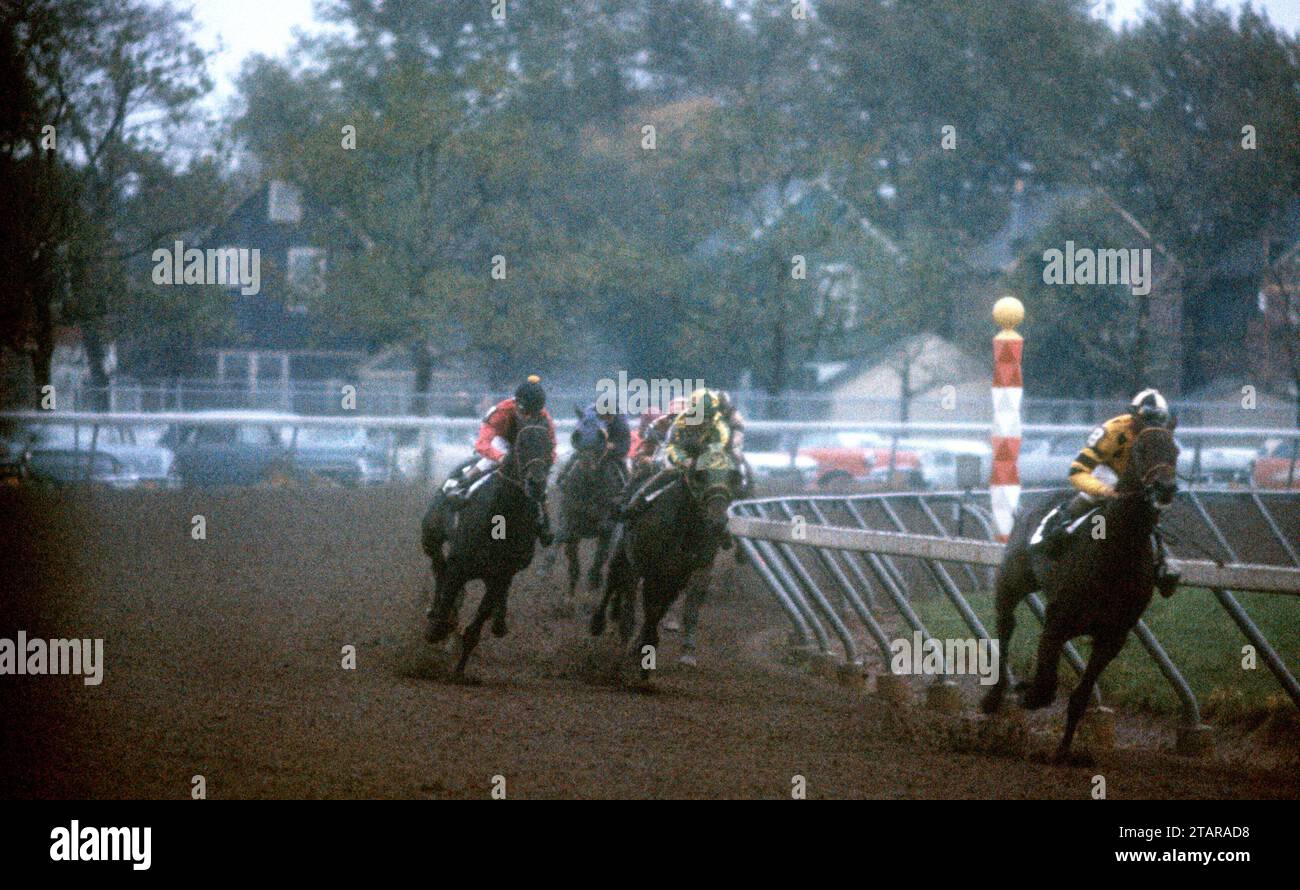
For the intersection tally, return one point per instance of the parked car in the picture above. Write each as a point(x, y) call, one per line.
point(14, 454)
point(61, 467)
point(344, 455)
point(844, 458)
point(152, 463)
point(1219, 464)
point(781, 467)
point(250, 451)
point(1276, 465)
point(1046, 462)
point(938, 466)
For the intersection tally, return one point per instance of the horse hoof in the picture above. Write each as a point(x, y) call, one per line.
point(597, 625)
point(991, 702)
point(688, 659)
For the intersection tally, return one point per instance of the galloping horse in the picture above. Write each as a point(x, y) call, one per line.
point(677, 534)
point(591, 486)
point(492, 539)
point(1098, 586)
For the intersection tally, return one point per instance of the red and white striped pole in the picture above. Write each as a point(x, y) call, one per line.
point(1008, 388)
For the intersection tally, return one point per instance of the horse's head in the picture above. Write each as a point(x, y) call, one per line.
point(530, 457)
point(1150, 472)
point(589, 438)
point(713, 480)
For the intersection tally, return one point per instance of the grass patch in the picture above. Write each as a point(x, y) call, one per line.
point(1203, 641)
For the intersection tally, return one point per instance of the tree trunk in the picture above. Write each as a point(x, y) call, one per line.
point(93, 343)
point(43, 355)
point(423, 362)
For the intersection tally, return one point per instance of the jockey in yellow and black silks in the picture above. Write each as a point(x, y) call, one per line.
point(1109, 446)
point(702, 423)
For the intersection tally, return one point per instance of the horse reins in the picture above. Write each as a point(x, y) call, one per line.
point(514, 452)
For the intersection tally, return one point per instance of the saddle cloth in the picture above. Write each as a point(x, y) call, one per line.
point(1069, 530)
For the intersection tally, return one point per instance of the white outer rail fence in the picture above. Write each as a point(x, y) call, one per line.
point(856, 562)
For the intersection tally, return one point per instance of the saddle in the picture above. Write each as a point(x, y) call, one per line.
point(1056, 528)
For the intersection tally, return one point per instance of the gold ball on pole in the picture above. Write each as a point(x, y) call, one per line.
point(1008, 312)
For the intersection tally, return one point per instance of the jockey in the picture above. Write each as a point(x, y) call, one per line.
point(1109, 445)
point(639, 435)
point(618, 436)
point(618, 439)
point(689, 433)
point(653, 431)
point(495, 437)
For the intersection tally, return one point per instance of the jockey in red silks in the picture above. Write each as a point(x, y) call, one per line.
point(495, 437)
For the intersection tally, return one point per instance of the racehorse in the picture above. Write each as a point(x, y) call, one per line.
point(591, 486)
point(678, 533)
point(492, 538)
point(1098, 586)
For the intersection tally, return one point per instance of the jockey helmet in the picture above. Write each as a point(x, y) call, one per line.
point(1150, 407)
point(705, 404)
point(530, 397)
point(725, 404)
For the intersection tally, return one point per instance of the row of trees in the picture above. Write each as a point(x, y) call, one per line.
point(674, 187)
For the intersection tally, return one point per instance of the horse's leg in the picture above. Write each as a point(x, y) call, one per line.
point(1103, 652)
point(1009, 595)
point(655, 600)
point(614, 580)
point(575, 563)
point(598, 562)
point(697, 588)
point(448, 585)
point(1042, 689)
point(493, 600)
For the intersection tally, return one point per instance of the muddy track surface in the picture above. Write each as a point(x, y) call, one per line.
point(223, 658)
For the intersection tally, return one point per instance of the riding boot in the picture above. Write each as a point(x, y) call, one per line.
point(1167, 580)
point(641, 499)
point(457, 486)
point(1056, 533)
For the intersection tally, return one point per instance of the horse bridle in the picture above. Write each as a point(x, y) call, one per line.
point(1149, 476)
point(504, 473)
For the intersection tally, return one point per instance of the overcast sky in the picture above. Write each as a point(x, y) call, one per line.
point(242, 27)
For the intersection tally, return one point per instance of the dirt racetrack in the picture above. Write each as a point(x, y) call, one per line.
point(223, 659)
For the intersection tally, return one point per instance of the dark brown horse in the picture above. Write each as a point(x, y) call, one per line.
point(678, 533)
point(493, 537)
point(1098, 586)
point(591, 487)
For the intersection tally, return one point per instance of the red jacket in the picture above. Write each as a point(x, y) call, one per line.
point(502, 423)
